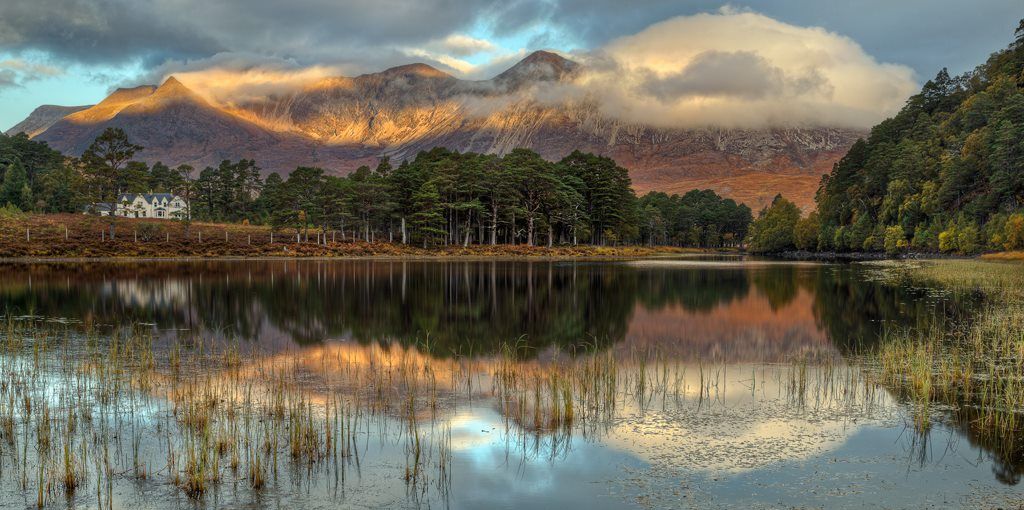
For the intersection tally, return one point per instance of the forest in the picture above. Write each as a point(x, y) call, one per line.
point(946, 174)
point(441, 197)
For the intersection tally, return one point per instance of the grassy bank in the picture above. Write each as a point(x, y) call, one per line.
point(83, 236)
point(975, 370)
point(1005, 256)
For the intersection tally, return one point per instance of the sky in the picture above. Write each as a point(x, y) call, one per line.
point(696, 60)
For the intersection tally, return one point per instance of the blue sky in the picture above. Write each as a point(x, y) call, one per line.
point(56, 52)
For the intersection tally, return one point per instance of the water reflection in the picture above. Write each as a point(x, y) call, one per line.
point(726, 311)
point(748, 386)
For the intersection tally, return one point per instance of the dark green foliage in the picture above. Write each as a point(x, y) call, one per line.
point(427, 218)
point(46, 174)
point(935, 175)
point(773, 231)
point(805, 233)
point(228, 192)
point(441, 197)
point(15, 184)
point(106, 164)
point(607, 199)
point(697, 219)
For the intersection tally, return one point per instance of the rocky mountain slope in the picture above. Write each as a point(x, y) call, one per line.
point(340, 123)
point(42, 118)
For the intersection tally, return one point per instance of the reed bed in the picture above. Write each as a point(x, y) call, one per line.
point(972, 371)
point(83, 411)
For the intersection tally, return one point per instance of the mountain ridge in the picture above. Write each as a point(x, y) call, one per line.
point(340, 123)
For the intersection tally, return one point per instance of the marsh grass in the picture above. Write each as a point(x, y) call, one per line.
point(972, 371)
point(90, 410)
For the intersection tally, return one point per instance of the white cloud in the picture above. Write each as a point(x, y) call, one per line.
point(228, 78)
point(464, 45)
point(731, 69)
point(455, 64)
point(741, 69)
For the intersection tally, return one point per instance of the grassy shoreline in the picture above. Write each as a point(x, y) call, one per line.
point(973, 370)
point(68, 237)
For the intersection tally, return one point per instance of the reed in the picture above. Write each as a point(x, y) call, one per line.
point(91, 407)
point(973, 368)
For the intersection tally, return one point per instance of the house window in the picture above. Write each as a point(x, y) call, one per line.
point(159, 214)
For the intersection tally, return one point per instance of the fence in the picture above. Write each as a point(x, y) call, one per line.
point(58, 234)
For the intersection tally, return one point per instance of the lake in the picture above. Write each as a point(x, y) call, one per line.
point(703, 382)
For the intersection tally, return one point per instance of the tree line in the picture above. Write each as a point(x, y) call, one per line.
point(945, 174)
point(440, 197)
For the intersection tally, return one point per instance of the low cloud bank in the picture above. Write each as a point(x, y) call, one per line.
point(742, 69)
point(728, 69)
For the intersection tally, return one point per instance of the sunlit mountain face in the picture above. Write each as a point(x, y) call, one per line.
point(340, 123)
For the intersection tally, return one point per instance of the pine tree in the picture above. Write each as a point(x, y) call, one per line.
point(427, 219)
point(13, 190)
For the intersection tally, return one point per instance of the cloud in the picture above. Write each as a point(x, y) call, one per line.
point(463, 46)
point(740, 69)
point(445, 62)
point(120, 32)
point(16, 72)
point(229, 78)
point(951, 33)
point(728, 69)
point(148, 33)
point(8, 79)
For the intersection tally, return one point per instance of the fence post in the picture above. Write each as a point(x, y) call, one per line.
point(65, 232)
point(28, 237)
point(136, 234)
point(168, 237)
point(200, 236)
point(271, 237)
point(225, 235)
point(248, 239)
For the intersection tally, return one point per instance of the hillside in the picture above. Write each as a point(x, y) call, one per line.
point(42, 118)
point(340, 123)
point(945, 174)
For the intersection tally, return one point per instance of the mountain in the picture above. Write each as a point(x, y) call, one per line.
point(339, 123)
point(176, 125)
point(42, 118)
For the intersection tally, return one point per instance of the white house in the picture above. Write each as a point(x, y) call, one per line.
point(145, 205)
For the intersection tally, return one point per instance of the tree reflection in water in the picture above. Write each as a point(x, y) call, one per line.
point(765, 313)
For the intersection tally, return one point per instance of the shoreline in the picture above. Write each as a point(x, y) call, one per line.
point(404, 258)
point(73, 237)
point(520, 253)
point(860, 256)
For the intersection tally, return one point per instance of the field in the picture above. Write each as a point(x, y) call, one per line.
point(83, 236)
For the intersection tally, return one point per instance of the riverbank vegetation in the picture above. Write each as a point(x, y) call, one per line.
point(973, 369)
point(29, 235)
point(439, 198)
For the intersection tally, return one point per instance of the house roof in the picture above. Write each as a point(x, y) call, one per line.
point(151, 198)
point(99, 207)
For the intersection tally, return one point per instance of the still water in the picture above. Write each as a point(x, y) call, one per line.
point(749, 394)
